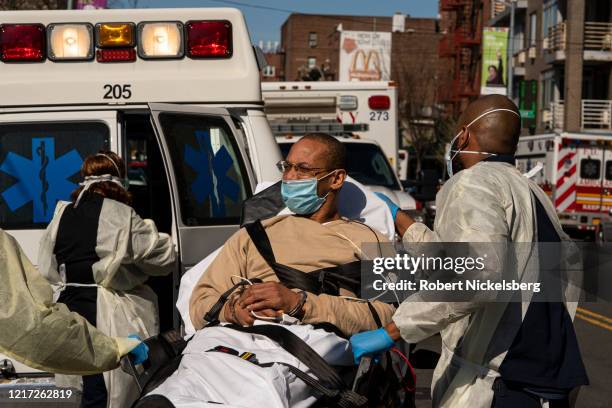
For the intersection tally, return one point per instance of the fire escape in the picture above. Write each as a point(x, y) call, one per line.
point(461, 45)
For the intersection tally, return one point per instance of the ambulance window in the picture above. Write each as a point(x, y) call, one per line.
point(609, 170)
point(40, 164)
point(366, 163)
point(210, 174)
point(590, 169)
point(285, 147)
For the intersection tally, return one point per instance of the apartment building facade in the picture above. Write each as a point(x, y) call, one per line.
point(562, 64)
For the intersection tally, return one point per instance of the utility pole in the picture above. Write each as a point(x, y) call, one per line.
point(510, 62)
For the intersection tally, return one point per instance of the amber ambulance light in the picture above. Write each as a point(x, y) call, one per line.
point(70, 42)
point(379, 102)
point(209, 39)
point(22, 42)
point(110, 35)
point(160, 40)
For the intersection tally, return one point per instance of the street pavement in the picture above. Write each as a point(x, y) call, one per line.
point(593, 326)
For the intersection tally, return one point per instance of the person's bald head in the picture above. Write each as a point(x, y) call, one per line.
point(497, 132)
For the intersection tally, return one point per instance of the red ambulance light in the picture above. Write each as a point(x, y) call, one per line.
point(22, 42)
point(116, 55)
point(379, 102)
point(209, 39)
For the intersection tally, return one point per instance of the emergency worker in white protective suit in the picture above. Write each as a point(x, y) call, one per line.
point(44, 335)
point(99, 253)
point(500, 354)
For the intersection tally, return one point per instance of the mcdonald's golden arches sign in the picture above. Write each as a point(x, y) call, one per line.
point(365, 56)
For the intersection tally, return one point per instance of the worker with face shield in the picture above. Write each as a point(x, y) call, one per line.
point(501, 354)
point(46, 335)
point(98, 254)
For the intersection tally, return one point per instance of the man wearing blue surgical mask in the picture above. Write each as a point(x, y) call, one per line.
point(314, 237)
point(312, 177)
point(495, 353)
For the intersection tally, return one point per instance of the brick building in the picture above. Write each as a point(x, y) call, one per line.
point(275, 69)
point(563, 64)
point(313, 41)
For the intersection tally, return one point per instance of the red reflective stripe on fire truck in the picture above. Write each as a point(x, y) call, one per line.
point(565, 158)
point(586, 189)
point(570, 191)
point(566, 175)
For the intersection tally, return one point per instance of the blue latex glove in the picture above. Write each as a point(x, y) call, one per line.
point(392, 206)
point(140, 353)
point(370, 342)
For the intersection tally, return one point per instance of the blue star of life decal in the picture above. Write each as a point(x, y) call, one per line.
point(43, 179)
point(211, 181)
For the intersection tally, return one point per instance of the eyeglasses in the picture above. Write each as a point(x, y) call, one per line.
point(284, 166)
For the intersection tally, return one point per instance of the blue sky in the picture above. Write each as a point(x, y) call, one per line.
point(264, 24)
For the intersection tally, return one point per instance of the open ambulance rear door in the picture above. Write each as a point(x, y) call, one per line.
point(209, 173)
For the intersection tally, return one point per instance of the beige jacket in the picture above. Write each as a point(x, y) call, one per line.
point(302, 244)
point(489, 202)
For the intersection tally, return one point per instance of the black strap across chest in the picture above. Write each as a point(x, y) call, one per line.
point(325, 280)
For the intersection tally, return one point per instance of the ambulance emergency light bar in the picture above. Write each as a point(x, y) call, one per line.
point(115, 42)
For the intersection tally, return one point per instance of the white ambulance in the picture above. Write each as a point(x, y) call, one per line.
point(367, 110)
point(175, 92)
point(577, 175)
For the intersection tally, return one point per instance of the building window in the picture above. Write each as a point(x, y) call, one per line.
point(548, 89)
point(269, 71)
point(312, 62)
point(519, 38)
point(549, 17)
point(312, 39)
point(533, 27)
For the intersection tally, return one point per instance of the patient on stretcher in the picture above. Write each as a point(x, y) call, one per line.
point(318, 238)
point(270, 259)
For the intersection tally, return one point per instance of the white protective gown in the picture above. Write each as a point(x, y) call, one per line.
point(130, 249)
point(44, 335)
point(489, 202)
